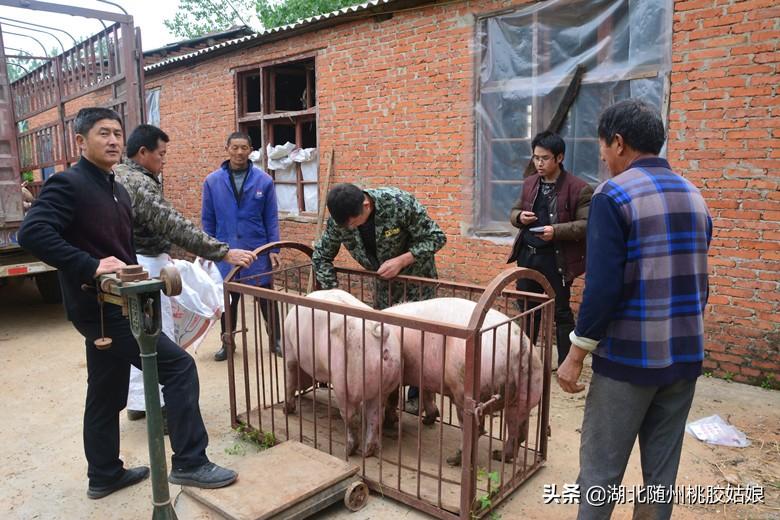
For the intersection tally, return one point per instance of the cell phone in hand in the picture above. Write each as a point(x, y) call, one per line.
point(538, 229)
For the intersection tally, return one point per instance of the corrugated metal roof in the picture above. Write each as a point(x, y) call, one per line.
point(276, 31)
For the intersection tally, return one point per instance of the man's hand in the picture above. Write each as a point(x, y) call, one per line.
point(569, 372)
point(239, 257)
point(527, 217)
point(391, 268)
point(547, 234)
point(108, 265)
point(276, 260)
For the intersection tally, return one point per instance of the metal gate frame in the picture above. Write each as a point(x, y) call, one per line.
point(471, 333)
point(110, 58)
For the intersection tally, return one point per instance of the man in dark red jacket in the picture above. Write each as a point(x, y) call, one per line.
point(552, 213)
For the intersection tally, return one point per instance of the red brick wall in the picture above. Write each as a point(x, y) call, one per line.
point(724, 129)
point(395, 101)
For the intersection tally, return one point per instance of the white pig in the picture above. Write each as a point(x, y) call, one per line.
point(513, 390)
point(311, 360)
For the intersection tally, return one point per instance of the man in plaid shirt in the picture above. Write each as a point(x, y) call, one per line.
point(641, 316)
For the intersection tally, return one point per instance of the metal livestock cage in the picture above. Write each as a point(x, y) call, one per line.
point(411, 463)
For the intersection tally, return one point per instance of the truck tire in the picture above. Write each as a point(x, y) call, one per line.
point(49, 286)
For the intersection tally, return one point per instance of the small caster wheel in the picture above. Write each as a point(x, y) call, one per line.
point(356, 496)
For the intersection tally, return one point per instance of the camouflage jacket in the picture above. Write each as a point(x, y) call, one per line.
point(402, 225)
point(156, 223)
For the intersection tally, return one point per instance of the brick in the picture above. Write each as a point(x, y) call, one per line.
point(690, 5)
point(720, 21)
point(393, 97)
point(750, 26)
point(767, 57)
point(750, 372)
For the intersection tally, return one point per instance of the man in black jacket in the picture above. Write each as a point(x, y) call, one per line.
point(81, 224)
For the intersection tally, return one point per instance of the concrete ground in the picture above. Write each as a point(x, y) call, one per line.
point(44, 382)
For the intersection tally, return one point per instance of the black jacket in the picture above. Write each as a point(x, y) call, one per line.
point(569, 211)
point(80, 216)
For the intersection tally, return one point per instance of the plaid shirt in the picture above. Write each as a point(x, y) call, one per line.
point(646, 286)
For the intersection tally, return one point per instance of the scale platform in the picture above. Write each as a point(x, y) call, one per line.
point(290, 481)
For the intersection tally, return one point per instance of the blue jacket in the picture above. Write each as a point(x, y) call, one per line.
point(247, 223)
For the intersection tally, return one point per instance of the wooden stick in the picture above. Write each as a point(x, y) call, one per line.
point(321, 214)
point(560, 114)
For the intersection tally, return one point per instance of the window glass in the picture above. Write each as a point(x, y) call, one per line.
point(529, 57)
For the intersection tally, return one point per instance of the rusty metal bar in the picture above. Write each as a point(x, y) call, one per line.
point(505, 431)
point(67, 9)
point(431, 500)
point(381, 392)
point(400, 405)
point(134, 90)
point(245, 361)
point(369, 314)
point(42, 27)
point(420, 389)
point(441, 407)
point(227, 340)
point(313, 371)
point(516, 446)
point(26, 56)
point(258, 344)
point(330, 391)
point(345, 406)
point(30, 37)
point(470, 439)
point(82, 66)
point(298, 389)
point(547, 380)
point(363, 425)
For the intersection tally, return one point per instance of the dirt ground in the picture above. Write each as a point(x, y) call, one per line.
point(44, 383)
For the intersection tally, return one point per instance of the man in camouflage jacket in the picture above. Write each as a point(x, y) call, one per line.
point(385, 230)
point(157, 225)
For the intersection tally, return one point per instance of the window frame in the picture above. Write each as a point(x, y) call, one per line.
point(484, 180)
point(267, 117)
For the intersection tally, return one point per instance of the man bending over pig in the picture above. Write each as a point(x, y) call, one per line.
point(385, 230)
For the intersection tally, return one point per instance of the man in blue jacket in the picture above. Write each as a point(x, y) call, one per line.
point(641, 316)
point(239, 208)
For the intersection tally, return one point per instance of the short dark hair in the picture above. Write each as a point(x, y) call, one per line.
point(238, 135)
point(549, 141)
point(147, 136)
point(87, 117)
point(638, 123)
point(344, 202)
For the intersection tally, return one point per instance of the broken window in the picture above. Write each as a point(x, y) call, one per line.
point(528, 58)
point(278, 109)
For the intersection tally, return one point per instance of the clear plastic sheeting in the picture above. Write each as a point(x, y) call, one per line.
point(528, 59)
point(714, 430)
